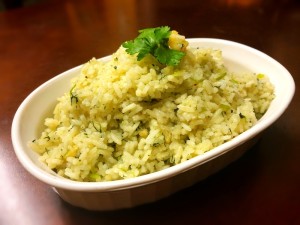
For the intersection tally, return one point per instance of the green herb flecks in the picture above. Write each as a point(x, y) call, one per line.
point(242, 116)
point(260, 76)
point(73, 96)
point(154, 41)
point(97, 127)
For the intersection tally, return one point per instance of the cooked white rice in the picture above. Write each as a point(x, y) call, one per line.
point(126, 118)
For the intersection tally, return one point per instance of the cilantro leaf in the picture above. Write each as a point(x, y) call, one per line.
point(137, 46)
point(168, 56)
point(154, 41)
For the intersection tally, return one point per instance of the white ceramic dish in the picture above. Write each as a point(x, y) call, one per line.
point(29, 117)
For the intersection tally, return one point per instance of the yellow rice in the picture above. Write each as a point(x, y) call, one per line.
point(126, 118)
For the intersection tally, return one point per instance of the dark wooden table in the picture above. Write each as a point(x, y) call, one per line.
point(40, 41)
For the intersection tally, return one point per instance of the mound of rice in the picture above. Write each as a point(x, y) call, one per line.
point(126, 118)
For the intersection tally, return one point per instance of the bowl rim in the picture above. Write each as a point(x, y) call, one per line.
point(64, 183)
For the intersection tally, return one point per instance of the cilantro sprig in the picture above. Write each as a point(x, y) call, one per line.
point(154, 41)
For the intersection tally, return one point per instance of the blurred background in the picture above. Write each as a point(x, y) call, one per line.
point(272, 23)
point(12, 4)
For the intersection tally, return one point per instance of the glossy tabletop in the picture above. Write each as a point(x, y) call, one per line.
point(44, 39)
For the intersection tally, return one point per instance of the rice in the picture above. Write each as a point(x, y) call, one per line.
point(125, 118)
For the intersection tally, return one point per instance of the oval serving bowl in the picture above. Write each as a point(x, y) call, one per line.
point(28, 123)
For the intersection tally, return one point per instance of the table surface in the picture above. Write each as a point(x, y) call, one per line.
point(40, 41)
